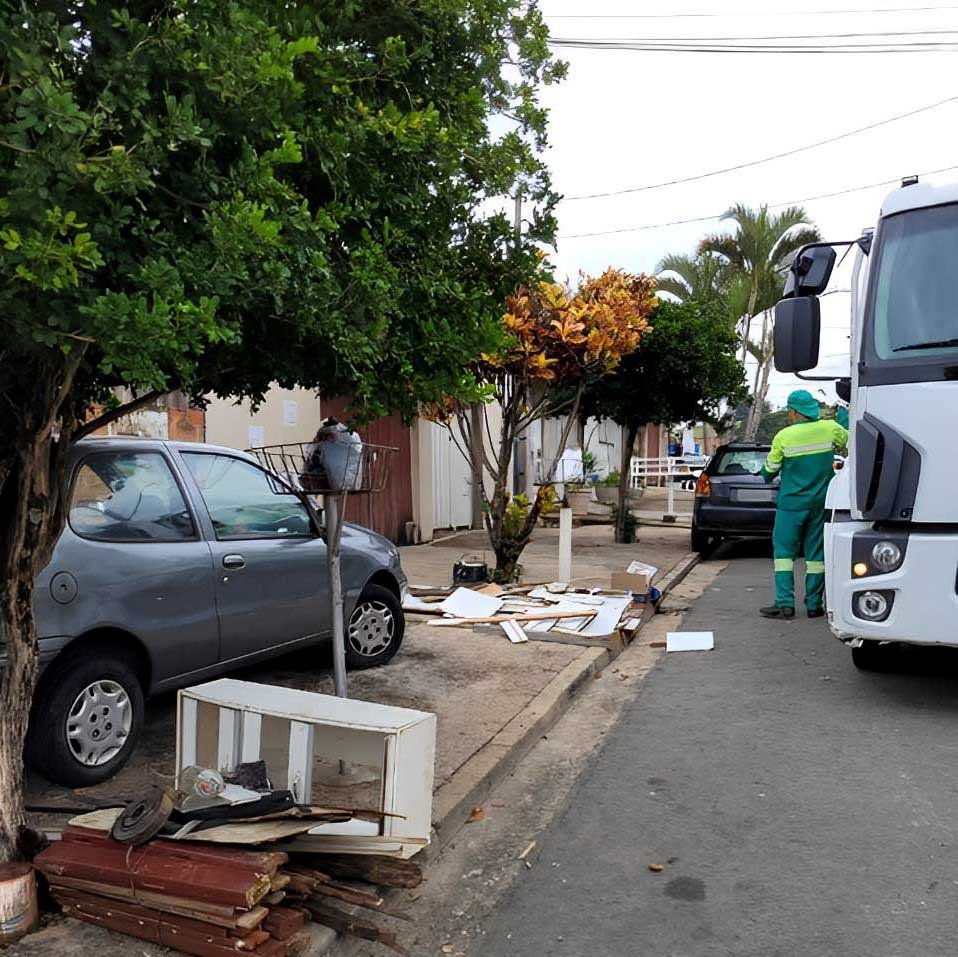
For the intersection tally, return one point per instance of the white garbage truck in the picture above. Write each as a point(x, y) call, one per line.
point(891, 542)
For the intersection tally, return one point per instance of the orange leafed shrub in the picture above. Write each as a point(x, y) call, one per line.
point(558, 335)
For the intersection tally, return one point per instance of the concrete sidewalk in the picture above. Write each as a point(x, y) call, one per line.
point(493, 699)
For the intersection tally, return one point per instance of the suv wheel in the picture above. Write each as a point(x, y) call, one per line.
point(702, 542)
point(87, 723)
point(375, 629)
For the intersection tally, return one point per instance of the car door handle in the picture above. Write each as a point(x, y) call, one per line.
point(234, 561)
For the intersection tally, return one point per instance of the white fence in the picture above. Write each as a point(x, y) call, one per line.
point(673, 470)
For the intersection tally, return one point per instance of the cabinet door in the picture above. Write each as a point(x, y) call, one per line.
point(271, 577)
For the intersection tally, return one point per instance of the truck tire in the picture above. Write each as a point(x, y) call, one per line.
point(87, 722)
point(702, 542)
point(375, 629)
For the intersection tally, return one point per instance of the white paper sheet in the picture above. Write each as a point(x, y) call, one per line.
point(638, 568)
point(466, 603)
point(689, 641)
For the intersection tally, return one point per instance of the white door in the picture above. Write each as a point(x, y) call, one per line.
point(453, 481)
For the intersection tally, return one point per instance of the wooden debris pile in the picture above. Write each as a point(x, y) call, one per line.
point(209, 900)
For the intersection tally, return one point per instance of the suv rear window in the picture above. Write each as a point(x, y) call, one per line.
point(741, 462)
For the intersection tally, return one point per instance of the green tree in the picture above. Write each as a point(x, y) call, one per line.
point(212, 196)
point(757, 254)
point(685, 369)
point(702, 277)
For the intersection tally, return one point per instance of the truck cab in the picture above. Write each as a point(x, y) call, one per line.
point(891, 543)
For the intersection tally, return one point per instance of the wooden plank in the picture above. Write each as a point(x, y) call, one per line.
point(228, 741)
point(386, 871)
point(300, 775)
point(495, 619)
point(250, 736)
point(283, 922)
point(143, 868)
point(351, 926)
point(186, 739)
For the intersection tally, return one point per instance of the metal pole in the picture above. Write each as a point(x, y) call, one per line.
point(335, 505)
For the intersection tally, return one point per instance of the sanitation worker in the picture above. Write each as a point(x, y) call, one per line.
point(803, 454)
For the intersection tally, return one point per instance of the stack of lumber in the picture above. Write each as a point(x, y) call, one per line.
point(197, 899)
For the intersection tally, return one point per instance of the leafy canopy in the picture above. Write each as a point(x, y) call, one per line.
point(215, 195)
point(685, 369)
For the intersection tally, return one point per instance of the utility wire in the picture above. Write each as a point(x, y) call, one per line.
point(791, 202)
point(705, 46)
point(766, 159)
point(761, 13)
point(779, 36)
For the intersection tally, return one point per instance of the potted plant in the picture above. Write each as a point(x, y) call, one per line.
point(607, 491)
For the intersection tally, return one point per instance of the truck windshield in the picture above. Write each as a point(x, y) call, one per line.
point(914, 309)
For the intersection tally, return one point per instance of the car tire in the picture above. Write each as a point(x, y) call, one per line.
point(375, 628)
point(872, 656)
point(702, 542)
point(67, 733)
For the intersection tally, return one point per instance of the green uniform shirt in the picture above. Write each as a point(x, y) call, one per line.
point(804, 455)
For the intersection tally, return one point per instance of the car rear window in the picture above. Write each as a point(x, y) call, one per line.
point(741, 462)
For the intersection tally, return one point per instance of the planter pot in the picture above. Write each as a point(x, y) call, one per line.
point(579, 500)
point(609, 495)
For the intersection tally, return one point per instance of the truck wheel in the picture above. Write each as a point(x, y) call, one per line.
point(88, 720)
point(375, 629)
point(871, 656)
point(702, 542)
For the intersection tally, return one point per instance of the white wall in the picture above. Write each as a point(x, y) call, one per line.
point(287, 415)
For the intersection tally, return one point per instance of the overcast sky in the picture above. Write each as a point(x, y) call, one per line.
point(627, 118)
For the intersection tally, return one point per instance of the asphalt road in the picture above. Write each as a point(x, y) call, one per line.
point(796, 805)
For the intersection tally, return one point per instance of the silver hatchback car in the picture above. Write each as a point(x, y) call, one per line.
point(181, 561)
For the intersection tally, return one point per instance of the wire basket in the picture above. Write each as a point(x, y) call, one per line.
point(357, 468)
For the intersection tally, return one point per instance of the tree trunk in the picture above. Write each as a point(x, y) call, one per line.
point(31, 519)
point(763, 372)
point(476, 458)
point(625, 469)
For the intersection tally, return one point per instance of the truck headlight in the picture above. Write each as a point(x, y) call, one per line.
point(872, 605)
point(886, 556)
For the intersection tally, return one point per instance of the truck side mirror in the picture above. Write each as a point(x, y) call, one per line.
point(798, 331)
point(810, 271)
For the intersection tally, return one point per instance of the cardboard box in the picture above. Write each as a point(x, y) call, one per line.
point(636, 578)
point(638, 582)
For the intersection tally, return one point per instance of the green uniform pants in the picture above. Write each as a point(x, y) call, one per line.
point(795, 530)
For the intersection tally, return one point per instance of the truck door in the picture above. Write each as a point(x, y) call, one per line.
point(270, 566)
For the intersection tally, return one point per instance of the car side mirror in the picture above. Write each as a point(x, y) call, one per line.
point(810, 272)
point(798, 332)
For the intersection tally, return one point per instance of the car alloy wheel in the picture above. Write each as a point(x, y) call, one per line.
point(371, 628)
point(99, 722)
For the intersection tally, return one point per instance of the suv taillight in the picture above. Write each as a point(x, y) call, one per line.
point(703, 486)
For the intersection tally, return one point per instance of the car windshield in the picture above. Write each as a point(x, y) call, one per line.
point(914, 312)
point(740, 461)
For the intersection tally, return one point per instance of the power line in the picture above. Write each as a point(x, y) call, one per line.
point(791, 202)
point(779, 36)
point(705, 46)
point(761, 13)
point(766, 159)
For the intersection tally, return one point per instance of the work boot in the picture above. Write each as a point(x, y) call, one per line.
point(777, 611)
point(816, 612)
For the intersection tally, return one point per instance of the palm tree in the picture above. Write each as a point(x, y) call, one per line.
point(700, 277)
point(757, 255)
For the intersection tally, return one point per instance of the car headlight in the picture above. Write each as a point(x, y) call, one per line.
point(886, 556)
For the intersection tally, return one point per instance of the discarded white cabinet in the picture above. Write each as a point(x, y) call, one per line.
point(225, 722)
